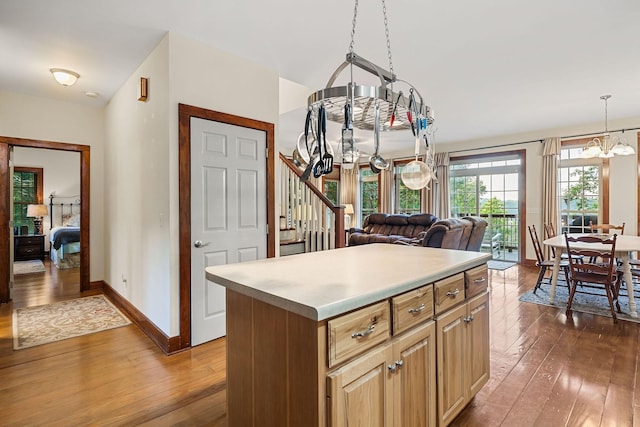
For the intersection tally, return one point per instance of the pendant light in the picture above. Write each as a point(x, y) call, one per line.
point(608, 146)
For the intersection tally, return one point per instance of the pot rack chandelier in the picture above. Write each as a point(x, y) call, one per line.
point(363, 98)
point(371, 108)
point(609, 146)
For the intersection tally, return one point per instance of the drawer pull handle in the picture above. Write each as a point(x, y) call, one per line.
point(453, 293)
point(480, 280)
point(364, 333)
point(417, 309)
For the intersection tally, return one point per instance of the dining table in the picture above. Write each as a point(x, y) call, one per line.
point(625, 245)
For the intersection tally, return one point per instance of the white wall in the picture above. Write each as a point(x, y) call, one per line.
point(141, 176)
point(623, 203)
point(61, 173)
point(24, 116)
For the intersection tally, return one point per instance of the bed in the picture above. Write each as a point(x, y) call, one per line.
point(64, 234)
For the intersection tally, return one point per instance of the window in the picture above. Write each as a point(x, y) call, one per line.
point(490, 186)
point(331, 190)
point(331, 185)
point(406, 200)
point(27, 190)
point(580, 189)
point(369, 193)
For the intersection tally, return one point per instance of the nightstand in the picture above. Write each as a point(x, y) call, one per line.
point(28, 247)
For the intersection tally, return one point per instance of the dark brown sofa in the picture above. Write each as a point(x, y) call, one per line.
point(390, 228)
point(464, 233)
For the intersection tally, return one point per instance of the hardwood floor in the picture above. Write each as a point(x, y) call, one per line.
point(545, 370)
point(115, 377)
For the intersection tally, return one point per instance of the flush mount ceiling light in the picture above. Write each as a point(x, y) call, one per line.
point(64, 77)
point(608, 146)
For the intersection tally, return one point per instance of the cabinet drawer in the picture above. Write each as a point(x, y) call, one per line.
point(448, 292)
point(476, 280)
point(29, 241)
point(356, 332)
point(412, 308)
point(27, 251)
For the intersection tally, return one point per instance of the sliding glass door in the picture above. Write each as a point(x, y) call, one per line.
point(492, 188)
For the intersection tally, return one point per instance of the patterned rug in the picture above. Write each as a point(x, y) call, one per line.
point(594, 302)
point(28, 267)
point(34, 326)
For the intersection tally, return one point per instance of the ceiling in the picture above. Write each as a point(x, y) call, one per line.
point(488, 68)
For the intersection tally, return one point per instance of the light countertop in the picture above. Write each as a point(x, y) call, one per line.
point(321, 285)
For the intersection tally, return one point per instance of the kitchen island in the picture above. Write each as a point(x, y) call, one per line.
point(320, 338)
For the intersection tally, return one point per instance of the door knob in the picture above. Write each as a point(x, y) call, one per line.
point(199, 244)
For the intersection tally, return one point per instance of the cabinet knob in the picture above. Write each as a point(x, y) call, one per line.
point(399, 363)
point(392, 368)
point(468, 319)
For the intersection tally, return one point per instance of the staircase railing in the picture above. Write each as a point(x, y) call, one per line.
point(306, 209)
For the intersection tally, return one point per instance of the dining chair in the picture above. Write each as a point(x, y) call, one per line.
point(550, 231)
point(606, 228)
point(542, 263)
point(603, 272)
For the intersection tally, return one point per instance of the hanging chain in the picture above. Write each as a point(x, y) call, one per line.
point(606, 112)
point(386, 33)
point(353, 27)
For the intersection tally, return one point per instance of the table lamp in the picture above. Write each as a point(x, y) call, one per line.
point(37, 212)
point(348, 211)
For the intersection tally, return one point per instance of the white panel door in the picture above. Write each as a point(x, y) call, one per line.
point(228, 213)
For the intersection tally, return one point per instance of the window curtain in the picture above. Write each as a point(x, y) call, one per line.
point(436, 199)
point(386, 183)
point(349, 191)
point(550, 154)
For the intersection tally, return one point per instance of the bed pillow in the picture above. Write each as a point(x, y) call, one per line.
point(71, 220)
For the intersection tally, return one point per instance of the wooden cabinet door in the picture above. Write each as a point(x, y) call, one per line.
point(361, 392)
point(478, 349)
point(452, 363)
point(415, 379)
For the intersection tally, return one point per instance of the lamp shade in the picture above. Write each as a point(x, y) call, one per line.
point(37, 211)
point(348, 209)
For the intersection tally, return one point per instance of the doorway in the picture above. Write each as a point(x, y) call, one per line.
point(492, 186)
point(185, 115)
point(6, 234)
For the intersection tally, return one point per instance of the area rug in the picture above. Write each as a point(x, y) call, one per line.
point(28, 267)
point(594, 302)
point(499, 265)
point(43, 324)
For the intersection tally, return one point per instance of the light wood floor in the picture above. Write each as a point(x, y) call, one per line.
point(546, 371)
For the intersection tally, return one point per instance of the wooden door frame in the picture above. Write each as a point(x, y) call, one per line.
point(185, 113)
point(5, 205)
